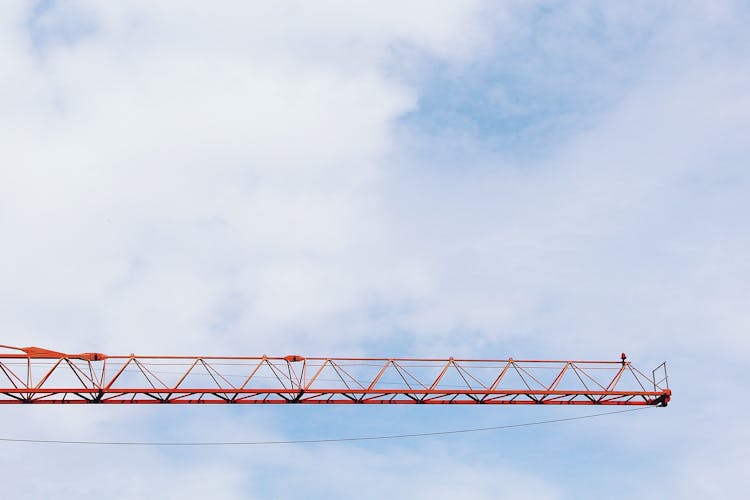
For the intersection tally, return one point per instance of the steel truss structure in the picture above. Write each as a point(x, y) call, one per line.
point(40, 376)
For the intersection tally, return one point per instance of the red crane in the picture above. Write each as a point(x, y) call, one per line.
point(41, 376)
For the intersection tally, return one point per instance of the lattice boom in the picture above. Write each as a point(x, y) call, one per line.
point(35, 375)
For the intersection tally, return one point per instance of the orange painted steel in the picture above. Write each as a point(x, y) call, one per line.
point(42, 376)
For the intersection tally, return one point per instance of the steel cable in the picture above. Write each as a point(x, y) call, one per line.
point(320, 440)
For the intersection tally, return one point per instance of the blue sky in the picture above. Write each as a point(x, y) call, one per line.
point(554, 179)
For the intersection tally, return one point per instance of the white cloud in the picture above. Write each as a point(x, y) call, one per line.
point(180, 179)
point(633, 232)
point(170, 163)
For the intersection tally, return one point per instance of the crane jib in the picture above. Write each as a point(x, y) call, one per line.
point(33, 375)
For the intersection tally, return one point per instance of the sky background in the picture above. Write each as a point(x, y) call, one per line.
point(453, 178)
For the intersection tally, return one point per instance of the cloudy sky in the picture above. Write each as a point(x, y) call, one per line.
point(458, 178)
